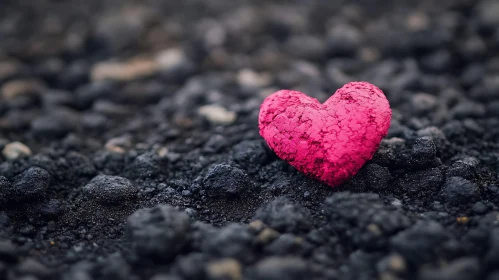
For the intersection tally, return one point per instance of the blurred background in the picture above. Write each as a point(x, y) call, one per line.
point(96, 62)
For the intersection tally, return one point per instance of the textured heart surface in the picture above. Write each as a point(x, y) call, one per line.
point(331, 141)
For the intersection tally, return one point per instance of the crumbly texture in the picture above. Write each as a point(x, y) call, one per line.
point(331, 141)
point(138, 151)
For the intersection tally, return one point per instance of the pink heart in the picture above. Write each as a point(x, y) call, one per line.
point(330, 141)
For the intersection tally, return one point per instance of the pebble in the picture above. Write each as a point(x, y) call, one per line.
point(230, 241)
point(266, 235)
point(472, 74)
point(123, 71)
point(56, 123)
point(144, 166)
point(229, 269)
point(285, 244)
point(107, 189)
point(87, 94)
point(421, 242)
point(174, 64)
point(421, 182)
point(215, 144)
point(486, 90)
point(247, 78)
point(224, 180)
point(438, 61)
point(18, 88)
point(487, 13)
point(285, 216)
point(453, 129)
point(171, 59)
point(187, 267)
point(8, 251)
point(57, 98)
point(493, 109)
point(352, 213)
point(467, 268)
point(15, 150)
point(423, 103)
point(393, 263)
point(468, 109)
point(307, 47)
point(160, 232)
point(94, 121)
point(217, 115)
point(375, 176)
point(457, 191)
point(277, 268)
point(480, 208)
point(465, 168)
point(423, 152)
point(119, 144)
point(10, 69)
point(343, 39)
point(250, 153)
point(34, 268)
point(75, 74)
point(32, 184)
point(436, 135)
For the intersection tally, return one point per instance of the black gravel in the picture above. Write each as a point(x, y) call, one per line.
point(129, 146)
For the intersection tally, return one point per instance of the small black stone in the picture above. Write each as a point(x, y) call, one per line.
point(420, 242)
point(467, 268)
point(106, 189)
point(159, 232)
point(436, 135)
point(306, 46)
point(57, 98)
point(87, 94)
point(438, 61)
point(457, 191)
point(376, 177)
point(493, 108)
point(423, 152)
point(231, 241)
point(143, 166)
point(188, 267)
point(285, 216)
point(468, 109)
point(421, 182)
point(285, 244)
point(463, 168)
point(57, 123)
point(215, 144)
point(224, 180)
point(343, 39)
point(33, 267)
point(250, 153)
point(277, 268)
point(480, 208)
point(32, 184)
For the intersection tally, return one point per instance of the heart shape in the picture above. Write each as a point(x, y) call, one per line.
point(331, 141)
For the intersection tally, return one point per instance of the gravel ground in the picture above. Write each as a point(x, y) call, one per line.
point(130, 147)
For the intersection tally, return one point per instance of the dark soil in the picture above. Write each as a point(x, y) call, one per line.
point(140, 157)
